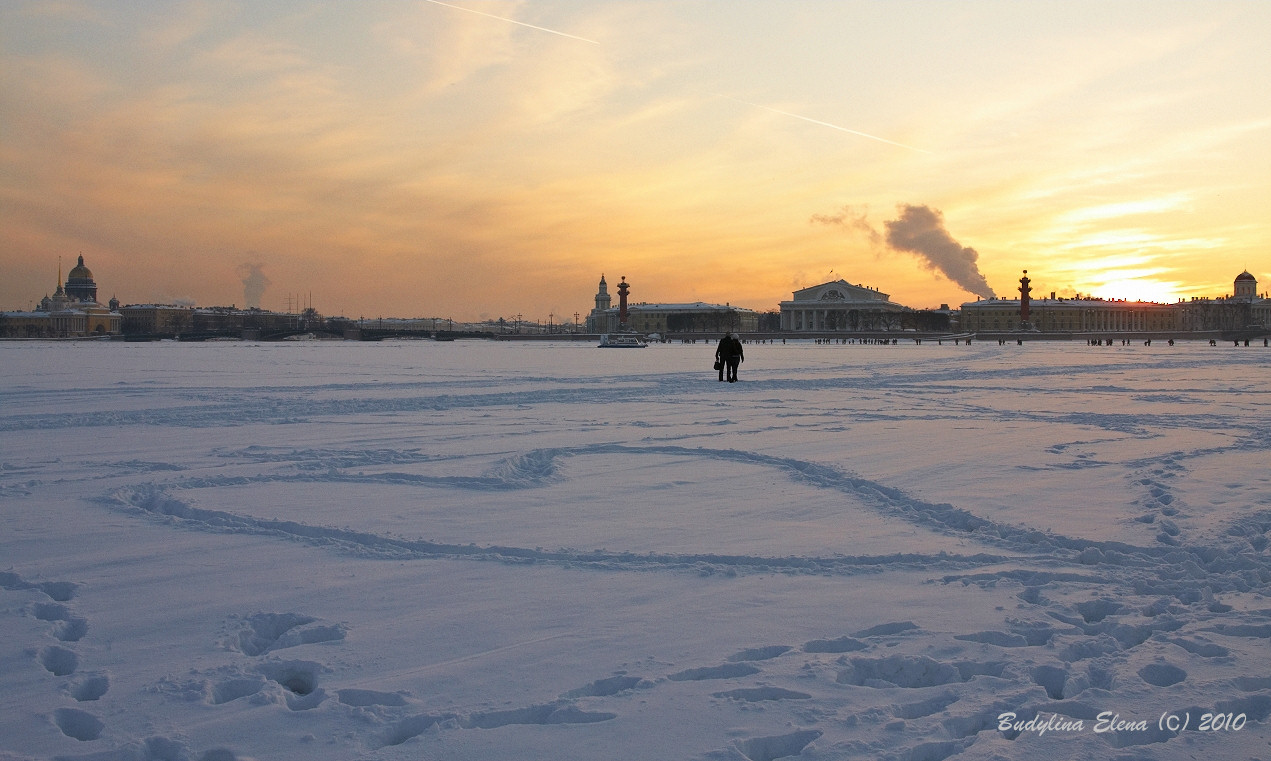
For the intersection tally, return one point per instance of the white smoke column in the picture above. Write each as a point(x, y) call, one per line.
point(254, 283)
point(853, 219)
point(920, 230)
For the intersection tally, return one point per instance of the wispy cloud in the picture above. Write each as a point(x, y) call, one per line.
point(364, 144)
point(1119, 209)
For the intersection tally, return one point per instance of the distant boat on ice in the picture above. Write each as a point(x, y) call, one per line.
point(623, 341)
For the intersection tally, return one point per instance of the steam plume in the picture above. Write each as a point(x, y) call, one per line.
point(254, 283)
point(920, 230)
point(854, 219)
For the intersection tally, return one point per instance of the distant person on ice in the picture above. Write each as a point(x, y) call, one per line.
point(728, 355)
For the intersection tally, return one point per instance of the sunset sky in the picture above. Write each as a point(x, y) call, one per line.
point(475, 159)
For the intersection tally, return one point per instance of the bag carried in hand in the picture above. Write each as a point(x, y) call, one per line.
point(719, 365)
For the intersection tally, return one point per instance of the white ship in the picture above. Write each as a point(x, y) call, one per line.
point(622, 341)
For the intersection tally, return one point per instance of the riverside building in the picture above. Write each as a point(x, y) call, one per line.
point(71, 312)
point(646, 318)
point(1244, 309)
point(840, 306)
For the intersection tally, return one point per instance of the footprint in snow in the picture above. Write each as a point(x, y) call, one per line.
point(263, 633)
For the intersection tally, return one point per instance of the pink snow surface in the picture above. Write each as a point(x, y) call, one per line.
point(494, 550)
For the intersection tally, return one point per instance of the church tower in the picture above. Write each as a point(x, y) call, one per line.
point(598, 321)
point(602, 296)
point(60, 300)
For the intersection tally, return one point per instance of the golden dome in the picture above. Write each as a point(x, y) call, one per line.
point(80, 272)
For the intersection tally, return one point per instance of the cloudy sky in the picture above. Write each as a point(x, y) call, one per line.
point(485, 158)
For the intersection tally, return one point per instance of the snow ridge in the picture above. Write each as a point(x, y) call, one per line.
point(465, 551)
point(1160, 569)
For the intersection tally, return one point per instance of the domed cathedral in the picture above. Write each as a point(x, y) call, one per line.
point(72, 311)
point(80, 285)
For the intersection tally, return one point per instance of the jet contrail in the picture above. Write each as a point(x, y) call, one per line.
point(513, 21)
point(823, 124)
point(727, 97)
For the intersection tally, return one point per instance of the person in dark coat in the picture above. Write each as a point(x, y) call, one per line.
point(728, 355)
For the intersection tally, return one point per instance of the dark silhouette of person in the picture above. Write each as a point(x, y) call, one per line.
point(728, 355)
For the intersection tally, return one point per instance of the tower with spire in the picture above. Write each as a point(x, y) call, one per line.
point(598, 320)
point(602, 296)
point(59, 300)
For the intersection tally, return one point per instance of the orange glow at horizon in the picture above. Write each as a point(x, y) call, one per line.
point(414, 160)
point(1138, 289)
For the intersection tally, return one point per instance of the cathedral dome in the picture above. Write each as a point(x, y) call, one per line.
point(80, 285)
point(1245, 276)
point(80, 272)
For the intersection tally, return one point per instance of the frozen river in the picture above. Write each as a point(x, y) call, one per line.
point(477, 550)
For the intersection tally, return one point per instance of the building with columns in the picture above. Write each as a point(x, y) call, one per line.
point(1259, 304)
point(80, 286)
point(840, 306)
point(72, 311)
point(1062, 315)
point(1244, 309)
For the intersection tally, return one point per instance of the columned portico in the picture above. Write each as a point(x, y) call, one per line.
point(839, 306)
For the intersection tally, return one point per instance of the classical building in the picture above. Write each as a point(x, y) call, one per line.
point(1259, 305)
point(72, 311)
point(696, 317)
point(1243, 310)
point(1076, 315)
point(840, 306)
point(157, 319)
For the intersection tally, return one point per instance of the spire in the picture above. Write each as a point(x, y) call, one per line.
point(602, 296)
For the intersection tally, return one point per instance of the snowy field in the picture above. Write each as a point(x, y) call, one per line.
point(478, 551)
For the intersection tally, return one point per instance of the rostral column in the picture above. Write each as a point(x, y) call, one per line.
point(1024, 290)
point(622, 303)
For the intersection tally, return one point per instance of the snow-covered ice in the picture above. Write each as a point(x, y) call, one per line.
point(479, 550)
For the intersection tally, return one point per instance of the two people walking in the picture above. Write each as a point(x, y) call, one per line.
point(728, 355)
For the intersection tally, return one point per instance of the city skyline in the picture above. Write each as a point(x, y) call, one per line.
point(484, 159)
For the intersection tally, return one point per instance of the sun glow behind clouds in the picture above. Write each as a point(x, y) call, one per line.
point(1135, 276)
point(1125, 209)
point(1121, 285)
